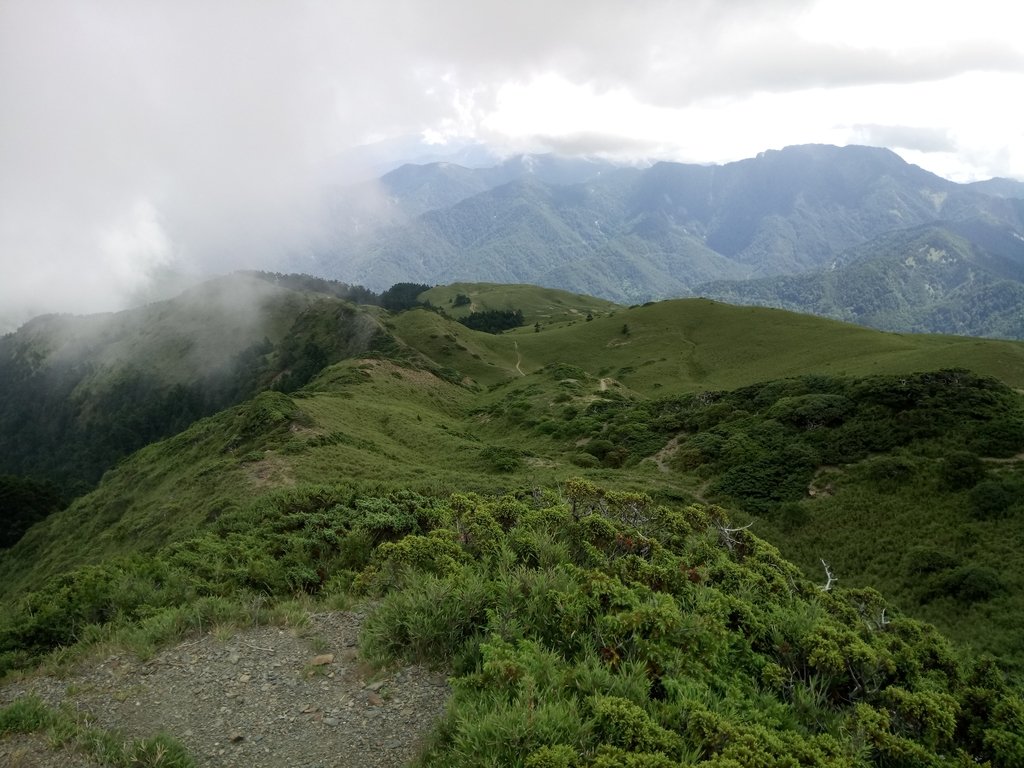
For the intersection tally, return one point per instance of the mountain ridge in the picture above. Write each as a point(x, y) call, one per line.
point(572, 519)
point(637, 234)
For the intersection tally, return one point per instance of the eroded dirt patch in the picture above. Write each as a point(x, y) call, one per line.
point(263, 698)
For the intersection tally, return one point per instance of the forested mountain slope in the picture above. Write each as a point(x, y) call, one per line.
point(79, 392)
point(965, 278)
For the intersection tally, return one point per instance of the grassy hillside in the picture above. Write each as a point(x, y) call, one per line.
point(548, 513)
point(547, 306)
point(694, 344)
point(79, 393)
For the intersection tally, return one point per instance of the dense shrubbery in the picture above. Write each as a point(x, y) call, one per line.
point(602, 630)
point(762, 444)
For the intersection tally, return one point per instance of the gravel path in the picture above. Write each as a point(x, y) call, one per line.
point(264, 698)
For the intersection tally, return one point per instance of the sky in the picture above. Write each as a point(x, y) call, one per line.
point(142, 137)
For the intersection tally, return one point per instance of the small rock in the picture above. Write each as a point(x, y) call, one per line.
point(236, 736)
point(331, 721)
point(323, 658)
point(244, 678)
point(375, 686)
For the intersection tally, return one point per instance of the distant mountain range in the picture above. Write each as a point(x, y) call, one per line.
point(808, 228)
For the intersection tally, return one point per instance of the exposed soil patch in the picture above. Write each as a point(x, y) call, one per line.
point(263, 698)
point(270, 471)
point(823, 482)
point(662, 457)
point(33, 751)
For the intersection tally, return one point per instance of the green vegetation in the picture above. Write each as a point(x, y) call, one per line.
point(24, 502)
point(929, 278)
point(72, 730)
point(545, 515)
point(493, 320)
point(402, 296)
point(600, 630)
point(547, 306)
point(81, 393)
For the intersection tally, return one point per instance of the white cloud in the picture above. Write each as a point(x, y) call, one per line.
point(222, 116)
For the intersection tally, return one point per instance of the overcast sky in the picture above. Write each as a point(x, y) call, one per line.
point(141, 135)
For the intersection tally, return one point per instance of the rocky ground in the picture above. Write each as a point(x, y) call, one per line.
point(264, 697)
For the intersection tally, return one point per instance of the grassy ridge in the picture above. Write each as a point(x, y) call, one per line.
point(694, 344)
point(539, 305)
point(437, 472)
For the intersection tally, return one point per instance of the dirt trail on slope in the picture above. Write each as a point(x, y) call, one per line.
point(265, 697)
point(667, 451)
point(519, 358)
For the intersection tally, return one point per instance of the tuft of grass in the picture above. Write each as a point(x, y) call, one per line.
point(65, 728)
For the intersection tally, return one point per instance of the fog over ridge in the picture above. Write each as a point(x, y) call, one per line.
point(148, 137)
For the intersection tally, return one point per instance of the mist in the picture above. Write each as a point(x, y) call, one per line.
point(147, 141)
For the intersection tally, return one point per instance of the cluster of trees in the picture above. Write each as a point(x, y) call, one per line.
point(397, 298)
point(70, 440)
point(357, 294)
point(493, 320)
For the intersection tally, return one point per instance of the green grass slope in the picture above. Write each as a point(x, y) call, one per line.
point(545, 513)
point(696, 344)
point(547, 306)
point(78, 393)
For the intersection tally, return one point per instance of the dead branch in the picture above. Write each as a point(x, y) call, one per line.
point(830, 578)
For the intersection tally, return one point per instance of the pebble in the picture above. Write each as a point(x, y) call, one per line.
point(188, 700)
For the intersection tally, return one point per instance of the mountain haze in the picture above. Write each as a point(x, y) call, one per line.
point(79, 392)
point(672, 229)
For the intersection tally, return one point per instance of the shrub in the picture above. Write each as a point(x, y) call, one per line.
point(501, 458)
point(961, 470)
point(994, 499)
point(810, 411)
point(968, 584)
point(920, 561)
point(585, 460)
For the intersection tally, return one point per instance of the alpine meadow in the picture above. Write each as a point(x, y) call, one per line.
point(675, 533)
